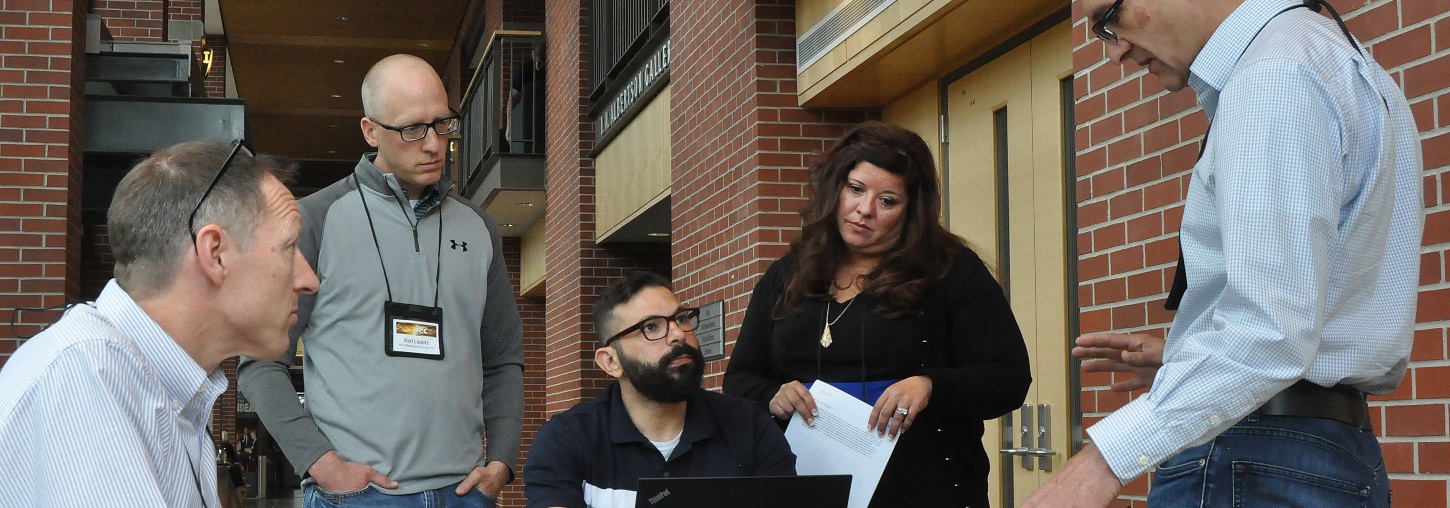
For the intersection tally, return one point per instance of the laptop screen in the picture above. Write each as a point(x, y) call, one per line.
point(823, 491)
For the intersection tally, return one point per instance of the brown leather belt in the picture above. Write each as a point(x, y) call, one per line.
point(1341, 403)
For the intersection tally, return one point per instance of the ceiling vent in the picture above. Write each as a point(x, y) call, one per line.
point(834, 28)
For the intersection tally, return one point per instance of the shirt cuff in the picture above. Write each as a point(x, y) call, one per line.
point(1133, 440)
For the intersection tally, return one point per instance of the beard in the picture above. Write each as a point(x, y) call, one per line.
point(662, 383)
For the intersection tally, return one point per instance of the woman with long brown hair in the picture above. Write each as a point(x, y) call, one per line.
point(878, 299)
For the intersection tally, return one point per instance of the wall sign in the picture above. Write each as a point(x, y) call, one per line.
point(711, 331)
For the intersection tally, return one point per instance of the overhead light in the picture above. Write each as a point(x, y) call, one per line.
point(337, 61)
point(336, 96)
point(342, 18)
point(332, 151)
point(422, 44)
point(507, 225)
point(657, 235)
point(525, 203)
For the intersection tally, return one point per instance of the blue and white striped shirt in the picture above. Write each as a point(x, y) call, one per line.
point(1301, 234)
point(105, 409)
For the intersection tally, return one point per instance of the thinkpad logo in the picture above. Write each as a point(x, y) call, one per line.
point(458, 245)
point(659, 497)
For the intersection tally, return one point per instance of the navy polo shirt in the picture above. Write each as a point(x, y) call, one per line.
point(594, 452)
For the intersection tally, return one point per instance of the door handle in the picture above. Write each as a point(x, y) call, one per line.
point(1029, 452)
point(1043, 453)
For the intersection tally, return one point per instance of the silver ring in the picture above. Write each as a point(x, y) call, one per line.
point(902, 411)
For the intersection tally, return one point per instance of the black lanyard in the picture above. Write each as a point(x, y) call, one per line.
point(438, 271)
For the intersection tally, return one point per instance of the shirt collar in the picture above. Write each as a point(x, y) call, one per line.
point(371, 175)
point(698, 423)
point(191, 389)
point(1216, 61)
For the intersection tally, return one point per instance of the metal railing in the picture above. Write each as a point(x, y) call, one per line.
point(618, 28)
point(503, 107)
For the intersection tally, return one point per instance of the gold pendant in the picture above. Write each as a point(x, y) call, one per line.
point(826, 337)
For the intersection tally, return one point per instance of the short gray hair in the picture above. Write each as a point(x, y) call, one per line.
point(149, 214)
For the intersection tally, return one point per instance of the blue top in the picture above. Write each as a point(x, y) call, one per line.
point(1301, 234)
point(593, 455)
point(106, 395)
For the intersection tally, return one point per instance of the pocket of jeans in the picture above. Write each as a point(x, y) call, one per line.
point(1171, 470)
point(1258, 484)
point(351, 493)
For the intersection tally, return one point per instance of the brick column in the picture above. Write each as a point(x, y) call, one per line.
point(578, 269)
point(40, 160)
point(742, 145)
point(130, 20)
point(532, 311)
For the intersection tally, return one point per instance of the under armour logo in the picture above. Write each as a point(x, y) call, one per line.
point(457, 244)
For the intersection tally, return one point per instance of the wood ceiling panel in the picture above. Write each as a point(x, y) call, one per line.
point(307, 77)
point(371, 19)
point(284, 56)
point(307, 136)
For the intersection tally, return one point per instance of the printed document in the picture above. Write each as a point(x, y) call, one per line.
point(839, 442)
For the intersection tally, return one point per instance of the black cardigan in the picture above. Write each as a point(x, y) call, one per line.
point(965, 340)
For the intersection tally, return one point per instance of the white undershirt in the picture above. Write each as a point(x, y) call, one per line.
point(668, 447)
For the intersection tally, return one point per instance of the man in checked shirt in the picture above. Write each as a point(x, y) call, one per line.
point(1300, 241)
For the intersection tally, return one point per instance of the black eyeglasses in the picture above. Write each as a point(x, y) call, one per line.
point(657, 327)
point(1100, 27)
point(417, 131)
point(191, 221)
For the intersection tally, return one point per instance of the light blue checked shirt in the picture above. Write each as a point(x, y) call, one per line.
point(1301, 234)
point(105, 409)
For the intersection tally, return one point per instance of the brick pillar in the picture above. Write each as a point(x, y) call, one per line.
point(40, 160)
point(742, 145)
point(130, 20)
point(535, 414)
point(1136, 147)
point(578, 269)
point(216, 80)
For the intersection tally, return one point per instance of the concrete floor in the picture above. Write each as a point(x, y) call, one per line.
point(293, 502)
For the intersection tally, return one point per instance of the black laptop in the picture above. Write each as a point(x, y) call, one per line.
point(823, 491)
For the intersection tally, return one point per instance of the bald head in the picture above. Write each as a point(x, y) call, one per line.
point(399, 78)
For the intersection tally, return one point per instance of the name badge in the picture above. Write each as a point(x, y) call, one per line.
point(414, 331)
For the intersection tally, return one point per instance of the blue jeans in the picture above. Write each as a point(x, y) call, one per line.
point(371, 497)
point(1277, 461)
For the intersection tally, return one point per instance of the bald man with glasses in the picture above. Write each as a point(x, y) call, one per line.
point(655, 420)
point(1296, 289)
point(414, 340)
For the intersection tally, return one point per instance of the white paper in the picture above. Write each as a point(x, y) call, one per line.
point(839, 442)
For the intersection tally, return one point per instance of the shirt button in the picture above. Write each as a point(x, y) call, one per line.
point(1142, 460)
point(1213, 419)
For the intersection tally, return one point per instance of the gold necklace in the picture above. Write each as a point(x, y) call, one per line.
point(826, 330)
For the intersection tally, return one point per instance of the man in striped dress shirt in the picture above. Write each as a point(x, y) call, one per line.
point(1300, 240)
point(110, 405)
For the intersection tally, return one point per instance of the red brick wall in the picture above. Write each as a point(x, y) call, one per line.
point(131, 20)
point(532, 311)
point(216, 80)
point(224, 411)
point(1136, 145)
point(97, 262)
point(577, 268)
point(741, 146)
point(186, 10)
point(40, 160)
